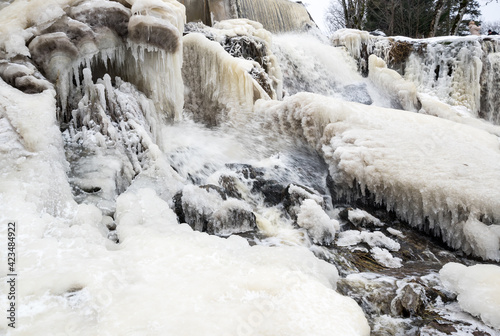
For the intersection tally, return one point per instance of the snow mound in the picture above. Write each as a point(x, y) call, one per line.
point(477, 289)
point(436, 174)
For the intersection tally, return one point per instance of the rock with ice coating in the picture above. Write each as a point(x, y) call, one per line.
point(477, 288)
point(459, 71)
point(227, 68)
point(319, 226)
point(433, 173)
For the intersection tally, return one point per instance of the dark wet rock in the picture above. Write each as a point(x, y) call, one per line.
point(410, 301)
point(480, 333)
point(247, 171)
point(374, 295)
point(230, 221)
point(261, 76)
point(195, 217)
point(216, 188)
point(247, 48)
point(230, 186)
point(111, 226)
point(230, 216)
point(445, 328)
point(177, 201)
point(272, 191)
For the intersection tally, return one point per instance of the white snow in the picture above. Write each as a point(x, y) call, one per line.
point(164, 277)
point(373, 239)
point(385, 258)
point(477, 289)
point(361, 217)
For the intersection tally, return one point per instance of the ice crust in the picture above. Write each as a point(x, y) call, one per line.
point(477, 289)
point(434, 173)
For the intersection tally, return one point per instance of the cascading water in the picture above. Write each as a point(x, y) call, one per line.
point(155, 199)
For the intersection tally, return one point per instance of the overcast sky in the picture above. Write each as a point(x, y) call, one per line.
point(491, 12)
point(317, 8)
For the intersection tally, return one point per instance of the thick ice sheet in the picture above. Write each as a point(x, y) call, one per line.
point(437, 174)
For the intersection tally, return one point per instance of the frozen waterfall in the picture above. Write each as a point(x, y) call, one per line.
point(173, 178)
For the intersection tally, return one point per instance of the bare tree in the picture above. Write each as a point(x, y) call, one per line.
point(354, 12)
point(334, 17)
point(438, 11)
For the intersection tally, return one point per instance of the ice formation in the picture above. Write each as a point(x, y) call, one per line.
point(275, 15)
point(460, 72)
point(477, 289)
point(227, 68)
point(438, 195)
point(320, 226)
point(106, 37)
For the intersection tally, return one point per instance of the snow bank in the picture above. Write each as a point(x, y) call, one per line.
point(436, 174)
point(477, 289)
point(165, 278)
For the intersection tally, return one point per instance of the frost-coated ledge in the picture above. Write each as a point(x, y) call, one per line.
point(436, 174)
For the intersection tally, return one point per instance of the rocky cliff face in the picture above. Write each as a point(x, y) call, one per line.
point(275, 15)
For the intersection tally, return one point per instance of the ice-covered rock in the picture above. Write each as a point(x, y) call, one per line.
point(459, 71)
point(320, 227)
point(477, 289)
point(222, 76)
point(433, 173)
point(362, 218)
point(141, 44)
